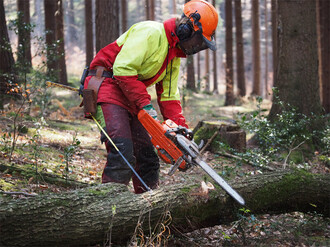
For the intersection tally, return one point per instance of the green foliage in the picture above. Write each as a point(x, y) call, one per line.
point(35, 144)
point(5, 142)
point(69, 151)
point(291, 134)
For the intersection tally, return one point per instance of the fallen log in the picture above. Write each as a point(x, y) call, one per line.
point(90, 215)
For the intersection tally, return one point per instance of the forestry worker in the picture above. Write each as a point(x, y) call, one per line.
point(147, 54)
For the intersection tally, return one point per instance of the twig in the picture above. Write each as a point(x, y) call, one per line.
point(17, 193)
point(291, 150)
point(246, 161)
point(209, 141)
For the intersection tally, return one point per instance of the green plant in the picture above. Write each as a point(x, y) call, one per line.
point(69, 151)
point(35, 144)
point(278, 140)
point(5, 141)
point(108, 240)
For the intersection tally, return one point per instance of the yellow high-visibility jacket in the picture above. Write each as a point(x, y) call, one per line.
point(147, 54)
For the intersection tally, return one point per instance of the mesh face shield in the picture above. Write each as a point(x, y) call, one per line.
point(195, 43)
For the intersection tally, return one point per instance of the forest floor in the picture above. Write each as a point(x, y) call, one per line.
point(65, 152)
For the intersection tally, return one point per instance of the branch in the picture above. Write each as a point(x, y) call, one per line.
point(18, 193)
point(244, 160)
point(291, 150)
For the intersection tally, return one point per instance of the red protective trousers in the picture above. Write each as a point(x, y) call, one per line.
point(134, 143)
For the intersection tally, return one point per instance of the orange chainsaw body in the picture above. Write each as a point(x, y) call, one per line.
point(167, 150)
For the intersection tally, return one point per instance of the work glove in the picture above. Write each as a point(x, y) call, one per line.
point(151, 111)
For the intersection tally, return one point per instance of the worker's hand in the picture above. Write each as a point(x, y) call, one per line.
point(151, 111)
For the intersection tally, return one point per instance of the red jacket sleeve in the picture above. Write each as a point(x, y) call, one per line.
point(134, 90)
point(170, 109)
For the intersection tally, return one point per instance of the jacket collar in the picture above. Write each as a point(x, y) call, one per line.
point(172, 39)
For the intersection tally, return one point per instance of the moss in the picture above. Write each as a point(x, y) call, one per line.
point(188, 189)
point(5, 186)
point(98, 192)
point(205, 134)
point(75, 126)
point(282, 190)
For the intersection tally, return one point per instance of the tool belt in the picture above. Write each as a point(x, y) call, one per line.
point(90, 93)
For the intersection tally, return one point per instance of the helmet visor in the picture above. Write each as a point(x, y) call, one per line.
point(210, 43)
point(195, 43)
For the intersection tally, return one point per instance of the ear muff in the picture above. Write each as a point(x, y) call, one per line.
point(196, 17)
point(184, 31)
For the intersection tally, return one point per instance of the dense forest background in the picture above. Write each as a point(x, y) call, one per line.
point(243, 64)
point(75, 42)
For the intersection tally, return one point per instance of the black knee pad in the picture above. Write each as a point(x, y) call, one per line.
point(148, 164)
point(117, 169)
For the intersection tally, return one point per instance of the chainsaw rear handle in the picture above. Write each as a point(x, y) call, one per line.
point(167, 150)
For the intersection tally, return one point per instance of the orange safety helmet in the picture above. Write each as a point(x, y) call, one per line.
point(204, 18)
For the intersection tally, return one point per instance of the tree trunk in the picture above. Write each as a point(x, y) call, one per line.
point(274, 40)
point(173, 7)
point(123, 16)
point(7, 59)
point(150, 9)
point(297, 77)
point(266, 92)
point(24, 35)
point(207, 70)
point(256, 47)
point(62, 75)
point(89, 34)
point(191, 84)
point(215, 71)
point(199, 79)
point(229, 55)
point(50, 28)
point(239, 49)
point(72, 29)
point(84, 217)
point(324, 51)
point(107, 15)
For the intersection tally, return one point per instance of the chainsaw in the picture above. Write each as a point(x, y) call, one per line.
point(175, 146)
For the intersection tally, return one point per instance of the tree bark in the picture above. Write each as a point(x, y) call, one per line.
point(215, 72)
point(191, 83)
point(123, 16)
point(72, 29)
point(50, 28)
point(7, 59)
point(107, 15)
point(239, 49)
point(89, 34)
point(256, 47)
point(62, 75)
point(230, 100)
point(207, 71)
point(24, 35)
point(84, 217)
point(274, 40)
point(323, 21)
point(297, 75)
